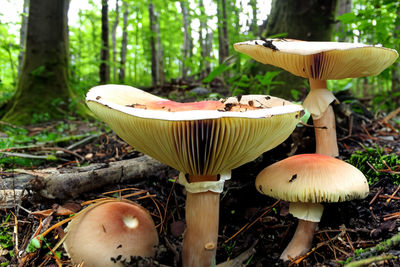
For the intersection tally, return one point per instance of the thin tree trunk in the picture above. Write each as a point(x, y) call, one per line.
point(22, 36)
point(222, 31)
point(396, 65)
point(343, 6)
point(254, 25)
point(187, 40)
point(156, 49)
point(114, 41)
point(104, 52)
point(204, 41)
point(124, 43)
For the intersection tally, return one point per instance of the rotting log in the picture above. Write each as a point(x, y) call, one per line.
point(66, 183)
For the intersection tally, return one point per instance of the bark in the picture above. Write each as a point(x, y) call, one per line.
point(22, 36)
point(124, 43)
point(303, 20)
point(187, 39)
point(222, 31)
point(72, 182)
point(104, 71)
point(114, 41)
point(42, 90)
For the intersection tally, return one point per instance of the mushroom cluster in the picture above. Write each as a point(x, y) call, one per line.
point(306, 181)
point(203, 140)
point(111, 233)
point(319, 62)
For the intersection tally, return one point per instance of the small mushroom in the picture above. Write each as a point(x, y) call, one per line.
point(318, 62)
point(111, 233)
point(202, 140)
point(306, 181)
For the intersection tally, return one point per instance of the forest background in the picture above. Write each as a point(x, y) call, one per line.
point(178, 46)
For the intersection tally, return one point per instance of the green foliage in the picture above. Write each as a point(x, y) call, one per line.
point(258, 84)
point(6, 236)
point(376, 23)
point(371, 162)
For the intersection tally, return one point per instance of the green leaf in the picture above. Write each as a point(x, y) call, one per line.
point(215, 72)
point(347, 18)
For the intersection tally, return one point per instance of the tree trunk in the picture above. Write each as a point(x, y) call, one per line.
point(343, 6)
point(156, 49)
point(303, 20)
point(187, 39)
point(104, 52)
point(22, 36)
point(114, 41)
point(396, 65)
point(222, 31)
point(204, 41)
point(124, 43)
point(43, 92)
point(254, 26)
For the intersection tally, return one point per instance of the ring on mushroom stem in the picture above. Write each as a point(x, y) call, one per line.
point(203, 140)
point(319, 179)
point(319, 62)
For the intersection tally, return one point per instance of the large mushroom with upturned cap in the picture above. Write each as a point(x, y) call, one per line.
point(306, 181)
point(111, 233)
point(319, 62)
point(203, 140)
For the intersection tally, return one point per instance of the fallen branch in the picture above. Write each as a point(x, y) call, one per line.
point(71, 182)
point(379, 249)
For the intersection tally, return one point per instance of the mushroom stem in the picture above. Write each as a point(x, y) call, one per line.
point(325, 126)
point(301, 241)
point(325, 134)
point(200, 240)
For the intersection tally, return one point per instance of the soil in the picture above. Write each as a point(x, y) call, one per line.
point(247, 218)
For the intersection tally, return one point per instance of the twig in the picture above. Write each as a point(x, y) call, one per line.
point(369, 261)
point(376, 196)
point(392, 195)
point(391, 115)
point(247, 225)
point(238, 261)
point(386, 196)
point(28, 156)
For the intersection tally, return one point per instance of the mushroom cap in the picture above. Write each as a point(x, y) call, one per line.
point(312, 178)
point(198, 142)
point(107, 234)
point(320, 60)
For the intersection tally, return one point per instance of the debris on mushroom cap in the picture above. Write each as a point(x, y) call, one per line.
point(110, 234)
point(312, 178)
point(200, 142)
point(320, 60)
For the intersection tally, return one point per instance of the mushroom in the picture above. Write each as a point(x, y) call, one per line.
point(111, 233)
point(203, 140)
point(306, 181)
point(321, 61)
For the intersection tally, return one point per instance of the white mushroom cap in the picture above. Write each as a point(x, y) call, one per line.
point(320, 60)
point(312, 178)
point(107, 234)
point(196, 142)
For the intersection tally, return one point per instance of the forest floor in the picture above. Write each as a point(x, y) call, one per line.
point(250, 223)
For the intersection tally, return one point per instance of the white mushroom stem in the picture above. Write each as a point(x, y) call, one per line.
point(301, 241)
point(325, 126)
point(309, 214)
point(201, 236)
